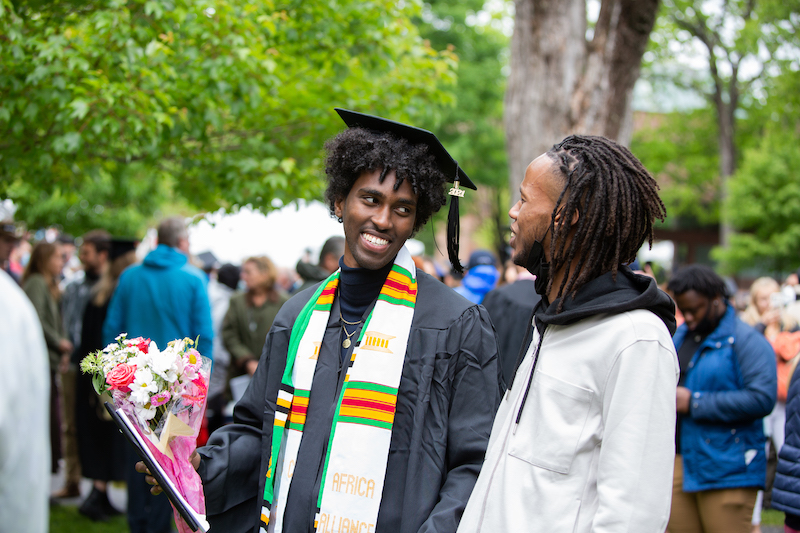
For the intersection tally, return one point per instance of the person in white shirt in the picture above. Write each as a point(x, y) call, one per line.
point(584, 437)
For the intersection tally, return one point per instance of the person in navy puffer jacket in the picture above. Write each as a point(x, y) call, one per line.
point(786, 490)
point(728, 384)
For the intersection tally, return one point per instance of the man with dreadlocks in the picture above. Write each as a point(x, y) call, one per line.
point(371, 406)
point(583, 440)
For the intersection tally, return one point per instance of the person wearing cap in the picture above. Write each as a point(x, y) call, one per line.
point(164, 298)
point(372, 403)
point(584, 438)
point(481, 276)
point(10, 234)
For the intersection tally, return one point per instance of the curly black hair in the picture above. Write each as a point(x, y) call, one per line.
point(356, 151)
point(617, 203)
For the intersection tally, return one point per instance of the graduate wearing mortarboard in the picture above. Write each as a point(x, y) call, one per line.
point(374, 397)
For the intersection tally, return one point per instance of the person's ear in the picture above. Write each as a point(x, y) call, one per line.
point(575, 216)
point(338, 208)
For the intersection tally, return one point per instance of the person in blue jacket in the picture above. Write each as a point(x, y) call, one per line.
point(728, 383)
point(786, 490)
point(481, 276)
point(163, 299)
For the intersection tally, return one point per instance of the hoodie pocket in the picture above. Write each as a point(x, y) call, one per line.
point(551, 424)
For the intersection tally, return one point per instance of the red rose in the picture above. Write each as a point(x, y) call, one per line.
point(120, 377)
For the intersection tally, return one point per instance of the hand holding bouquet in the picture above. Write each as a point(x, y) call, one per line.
point(164, 393)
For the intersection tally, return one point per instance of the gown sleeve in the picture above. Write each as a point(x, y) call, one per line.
point(475, 393)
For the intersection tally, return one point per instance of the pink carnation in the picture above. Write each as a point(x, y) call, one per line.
point(160, 399)
point(120, 377)
point(141, 344)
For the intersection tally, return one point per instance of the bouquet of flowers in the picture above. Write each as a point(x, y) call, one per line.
point(164, 393)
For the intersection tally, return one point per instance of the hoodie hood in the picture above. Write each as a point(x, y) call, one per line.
point(165, 257)
point(605, 295)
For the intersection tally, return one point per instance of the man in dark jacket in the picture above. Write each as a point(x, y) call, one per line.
point(328, 263)
point(372, 403)
point(728, 384)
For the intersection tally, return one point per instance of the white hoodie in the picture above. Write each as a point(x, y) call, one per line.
point(595, 444)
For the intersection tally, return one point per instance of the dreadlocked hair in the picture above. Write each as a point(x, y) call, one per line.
point(356, 151)
point(616, 200)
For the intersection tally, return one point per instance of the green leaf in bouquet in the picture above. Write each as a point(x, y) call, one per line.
point(99, 383)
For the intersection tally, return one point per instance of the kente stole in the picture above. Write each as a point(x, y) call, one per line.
point(358, 449)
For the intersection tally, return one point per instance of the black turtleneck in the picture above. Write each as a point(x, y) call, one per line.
point(358, 289)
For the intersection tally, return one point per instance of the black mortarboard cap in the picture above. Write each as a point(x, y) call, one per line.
point(120, 247)
point(444, 161)
point(209, 260)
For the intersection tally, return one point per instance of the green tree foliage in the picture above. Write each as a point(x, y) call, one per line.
point(766, 195)
point(472, 127)
point(111, 110)
point(680, 150)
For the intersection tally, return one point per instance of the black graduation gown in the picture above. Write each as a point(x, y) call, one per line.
point(511, 310)
point(101, 447)
point(448, 395)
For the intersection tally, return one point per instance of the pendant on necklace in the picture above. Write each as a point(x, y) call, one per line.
point(346, 343)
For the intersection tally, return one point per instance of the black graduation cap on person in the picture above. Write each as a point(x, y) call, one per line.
point(209, 260)
point(121, 246)
point(444, 161)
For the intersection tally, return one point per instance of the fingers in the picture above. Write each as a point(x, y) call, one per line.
point(148, 478)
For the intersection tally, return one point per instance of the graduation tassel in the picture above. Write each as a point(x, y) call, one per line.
point(454, 225)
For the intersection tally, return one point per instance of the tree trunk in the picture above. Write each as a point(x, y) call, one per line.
point(562, 84)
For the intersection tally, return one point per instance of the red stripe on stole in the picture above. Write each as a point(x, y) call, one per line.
point(299, 409)
point(402, 287)
point(369, 404)
point(328, 292)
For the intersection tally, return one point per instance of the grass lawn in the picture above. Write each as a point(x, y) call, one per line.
point(67, 519)
point(771, 517)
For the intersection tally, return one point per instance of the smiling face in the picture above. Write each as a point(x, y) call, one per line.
point(532, 213)
point(377, 219)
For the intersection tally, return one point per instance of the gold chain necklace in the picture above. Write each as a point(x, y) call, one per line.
point(346, 343)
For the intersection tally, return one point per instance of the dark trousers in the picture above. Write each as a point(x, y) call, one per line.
point(146, 513)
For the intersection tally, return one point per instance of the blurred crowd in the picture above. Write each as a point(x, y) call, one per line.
point(74, 285)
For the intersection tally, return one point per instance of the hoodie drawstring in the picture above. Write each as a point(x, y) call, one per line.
point(533, 369)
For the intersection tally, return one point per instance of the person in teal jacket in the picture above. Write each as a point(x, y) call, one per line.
point(163, 299)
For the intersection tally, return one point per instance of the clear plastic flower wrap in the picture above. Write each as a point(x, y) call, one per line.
point(164, 393)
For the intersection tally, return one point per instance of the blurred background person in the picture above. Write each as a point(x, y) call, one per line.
point(93, 255)
point(786, 489)
point(101, 447)
point(220, 290)
point(480, 277)
point(10, 235)
point(766, 313)
point(164, 298)
point(328, 263)
point(250, 315)
point(40, 283)
point(727, 386)
point(510, 307)
point(24, 393)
